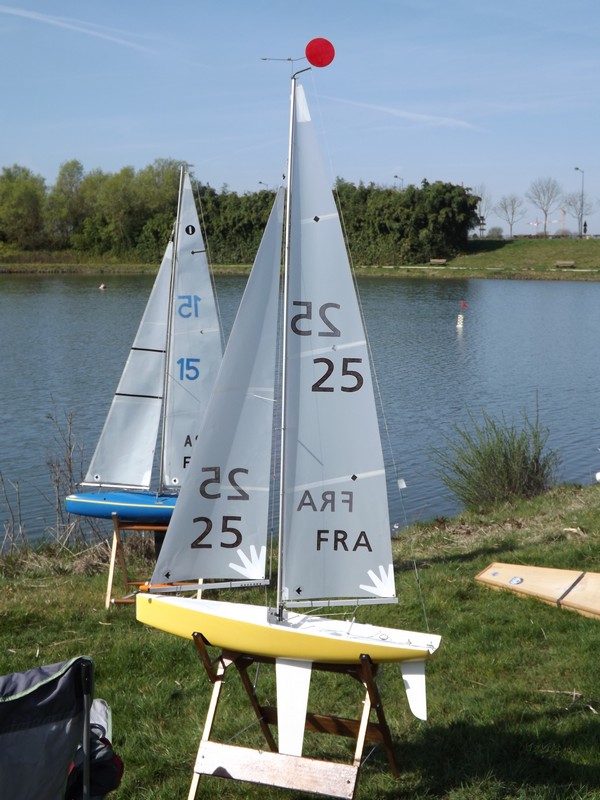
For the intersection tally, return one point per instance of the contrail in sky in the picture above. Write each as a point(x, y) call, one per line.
point(74, 25)
point(425, 119)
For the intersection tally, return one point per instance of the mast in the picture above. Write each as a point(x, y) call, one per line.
point(161, 481)
point(286, 278)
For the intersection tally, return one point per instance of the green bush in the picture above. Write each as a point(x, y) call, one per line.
point(496, 462)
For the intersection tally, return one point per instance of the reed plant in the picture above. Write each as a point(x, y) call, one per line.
point(496, 461)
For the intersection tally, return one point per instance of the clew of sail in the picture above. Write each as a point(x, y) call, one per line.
point(219, 525)
point(336, 529)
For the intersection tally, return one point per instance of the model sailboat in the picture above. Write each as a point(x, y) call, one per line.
point(167, 379)
point(334, 529)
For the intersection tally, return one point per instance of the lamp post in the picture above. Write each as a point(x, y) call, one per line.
point(578, 169)
point(398, 178)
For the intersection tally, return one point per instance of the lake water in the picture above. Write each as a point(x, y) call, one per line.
point(524, 345)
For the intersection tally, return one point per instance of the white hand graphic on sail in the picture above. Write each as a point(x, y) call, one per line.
point(383, 586)
point(251, 567)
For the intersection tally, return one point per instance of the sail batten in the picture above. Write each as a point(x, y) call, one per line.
point(144, 396)
point(325, 481)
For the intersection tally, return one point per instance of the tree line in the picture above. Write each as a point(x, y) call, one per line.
point(129, 215)
point(547, 196)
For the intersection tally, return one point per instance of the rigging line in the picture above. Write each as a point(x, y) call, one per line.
point(203, 230)
point(188, 391)
point(274, 498)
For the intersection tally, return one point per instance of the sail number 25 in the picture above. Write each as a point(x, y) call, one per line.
point(210, 488)
point(302, 325)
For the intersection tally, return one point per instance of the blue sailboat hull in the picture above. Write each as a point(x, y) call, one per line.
point(135, 507)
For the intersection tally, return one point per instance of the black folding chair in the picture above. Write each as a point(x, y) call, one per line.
point(44, 717)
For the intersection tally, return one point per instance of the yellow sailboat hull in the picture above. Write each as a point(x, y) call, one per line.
point(247, 629)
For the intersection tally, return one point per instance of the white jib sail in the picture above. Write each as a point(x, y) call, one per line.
point(125, 451)
point(336, 531)
point(194, 343)
point(219, 525)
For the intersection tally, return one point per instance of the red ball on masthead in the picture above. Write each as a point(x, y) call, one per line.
point(320, 52)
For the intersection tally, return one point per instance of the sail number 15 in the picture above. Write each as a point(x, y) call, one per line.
point(302, 325)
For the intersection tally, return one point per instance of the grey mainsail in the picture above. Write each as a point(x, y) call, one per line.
point(124, 454)
point(336, 540)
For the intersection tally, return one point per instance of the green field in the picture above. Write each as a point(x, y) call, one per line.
point(485, 258)
point(529, 259)
point(513, 692)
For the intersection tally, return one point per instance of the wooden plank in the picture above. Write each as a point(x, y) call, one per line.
point(111, 569)
point(337, 726)
point(572, 589)
point(585, 596)
point(275, 769)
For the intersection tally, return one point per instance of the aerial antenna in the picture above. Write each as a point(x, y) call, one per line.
point(268, 58)
point(318, 52)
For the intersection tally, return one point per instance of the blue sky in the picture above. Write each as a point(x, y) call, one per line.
point(482, 93)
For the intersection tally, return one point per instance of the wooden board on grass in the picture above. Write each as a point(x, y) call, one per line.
point(573, 589)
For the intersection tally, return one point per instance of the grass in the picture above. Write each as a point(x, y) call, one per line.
point(484, 258)
point(529, 259)
point(513, 691)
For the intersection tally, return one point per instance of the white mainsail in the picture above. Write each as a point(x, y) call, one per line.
point(170, 369)
point(336, 539)
point(125, 451)
point(219, 525)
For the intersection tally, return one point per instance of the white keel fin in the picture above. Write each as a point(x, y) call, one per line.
point(293, 683)
point(413, 674)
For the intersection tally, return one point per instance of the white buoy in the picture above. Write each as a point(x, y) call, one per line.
point(459, 321)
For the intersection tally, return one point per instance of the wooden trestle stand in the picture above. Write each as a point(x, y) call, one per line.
point(117, 552)
point(272, 768)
